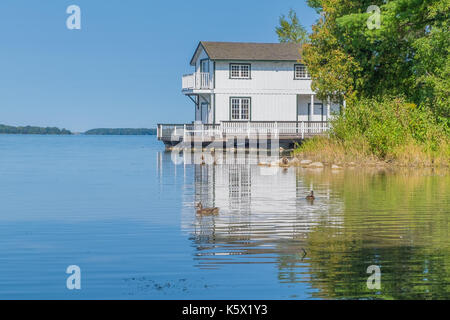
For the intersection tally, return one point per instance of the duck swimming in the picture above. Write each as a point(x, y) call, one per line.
point(310, 196)
point(206, 211)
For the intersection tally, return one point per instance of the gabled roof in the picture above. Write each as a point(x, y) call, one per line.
point(250, 51)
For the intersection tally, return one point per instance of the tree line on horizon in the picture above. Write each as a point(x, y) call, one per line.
point(121, 131)
point(5, 129)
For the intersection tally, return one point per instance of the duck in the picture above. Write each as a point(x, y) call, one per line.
point(310, 196)
point(206, 211)
point(284, 162)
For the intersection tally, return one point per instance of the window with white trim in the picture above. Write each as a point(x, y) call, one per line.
point(240, 108)
point(300, 72)
point(239, 71)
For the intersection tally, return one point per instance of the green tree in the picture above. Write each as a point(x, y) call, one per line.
point(291, 30)
point(407, 55)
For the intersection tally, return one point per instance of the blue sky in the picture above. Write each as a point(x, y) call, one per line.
point(124, 67)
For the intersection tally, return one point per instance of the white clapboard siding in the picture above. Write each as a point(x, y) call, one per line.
point(265, 75)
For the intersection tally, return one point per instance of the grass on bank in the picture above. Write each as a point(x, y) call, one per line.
point(389, 130)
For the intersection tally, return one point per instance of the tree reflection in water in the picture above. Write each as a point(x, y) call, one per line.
point(396, 219)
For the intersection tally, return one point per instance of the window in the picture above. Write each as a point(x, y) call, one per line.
point(240, 108)
point(204, 65)
point(300, 72)
point(318, 109)
point(239, 71)
point(240, 185)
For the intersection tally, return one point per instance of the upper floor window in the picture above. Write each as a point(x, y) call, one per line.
point(204, 65)
point(300, 72)
point(239, 71)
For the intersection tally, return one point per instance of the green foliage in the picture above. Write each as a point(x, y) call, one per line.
point(290, 29)
point(316, 4)
point(408, 55)
point(432, 68)
point(125, 131)
point(32, 130)
point(388, 123)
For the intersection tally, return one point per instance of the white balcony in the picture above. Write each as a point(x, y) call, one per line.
point(197, 81)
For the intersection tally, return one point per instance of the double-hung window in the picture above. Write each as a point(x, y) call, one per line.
point(300, 72)
point(239, 71)
point(240, 108)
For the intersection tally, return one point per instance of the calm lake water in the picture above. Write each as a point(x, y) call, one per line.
point(120, 209)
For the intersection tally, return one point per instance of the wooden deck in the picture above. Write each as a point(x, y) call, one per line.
point(286, 132)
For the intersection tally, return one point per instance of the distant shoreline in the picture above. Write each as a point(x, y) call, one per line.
point(122, 132)
point(4, 129)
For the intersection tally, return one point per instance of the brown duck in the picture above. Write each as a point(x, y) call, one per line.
point(310, 196)
point(206, 211)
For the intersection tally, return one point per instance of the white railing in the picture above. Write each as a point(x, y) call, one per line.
point(297, 129)
point(198, 80)
point(188, 81)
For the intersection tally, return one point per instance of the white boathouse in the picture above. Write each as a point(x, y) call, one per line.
point(249, 88)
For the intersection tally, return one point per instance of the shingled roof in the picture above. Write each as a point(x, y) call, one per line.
point(250, 51)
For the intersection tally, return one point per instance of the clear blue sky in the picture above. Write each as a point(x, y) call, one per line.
point(124, 67)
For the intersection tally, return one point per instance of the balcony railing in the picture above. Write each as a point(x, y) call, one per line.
point(291, 129)
point(198, 80)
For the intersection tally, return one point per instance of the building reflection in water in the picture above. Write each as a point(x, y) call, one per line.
point(263, 211)
point(398, 220)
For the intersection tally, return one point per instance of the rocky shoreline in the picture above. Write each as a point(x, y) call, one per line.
point(286, 162)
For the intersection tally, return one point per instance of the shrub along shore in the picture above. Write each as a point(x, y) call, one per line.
point(389, 131)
